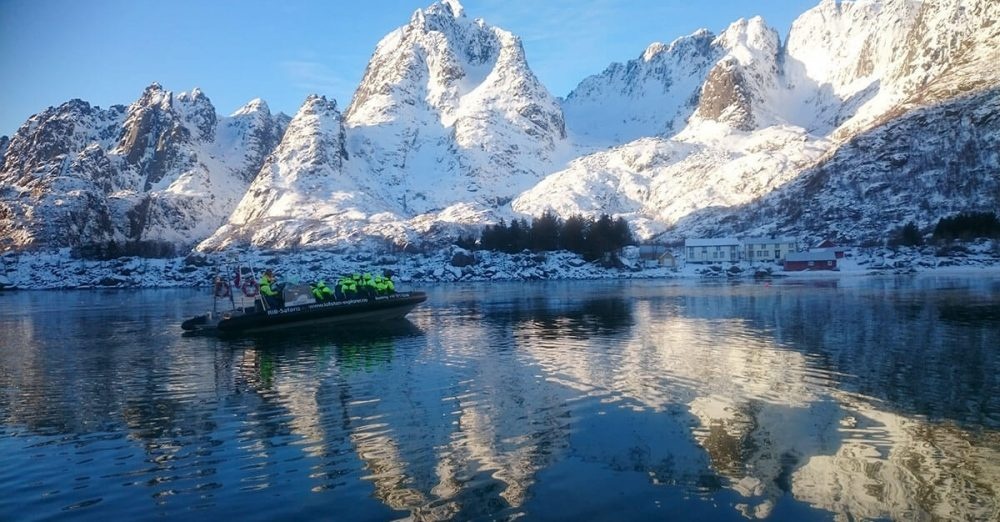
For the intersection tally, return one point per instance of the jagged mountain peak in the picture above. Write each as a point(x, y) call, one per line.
point(429, 63)
point(317, 102)
point(737, 87)
point(437, 16)
point(767, 113)
point(657, 93)
point(300, 187)
point(318, 129)
point(456, 95)
point(254, 106)
point(752, 33)
point(164, 168)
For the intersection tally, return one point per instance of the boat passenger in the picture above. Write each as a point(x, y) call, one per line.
point(269, 291)
point(321, 292)
point(348, 287)
point(390, 287)
point(368, 284)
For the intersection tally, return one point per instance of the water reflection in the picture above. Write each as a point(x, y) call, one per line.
point(777, 404)
point(873, 399)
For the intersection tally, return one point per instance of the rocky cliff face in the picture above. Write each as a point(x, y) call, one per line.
point(52, 182)
point(166, 168)
point(302, 192)
point(885, 177)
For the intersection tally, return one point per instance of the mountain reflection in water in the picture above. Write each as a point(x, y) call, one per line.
point(872, 398)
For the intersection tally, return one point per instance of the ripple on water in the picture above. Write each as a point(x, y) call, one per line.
point(801, 401)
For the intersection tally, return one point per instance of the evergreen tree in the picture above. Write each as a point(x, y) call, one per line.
point(622, 233)
point(968, 225)
point(910, 235)
point(585, 236)
point(545, 232)
point(515, 237)
point(574, 234)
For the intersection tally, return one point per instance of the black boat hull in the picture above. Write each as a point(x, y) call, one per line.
point(361, 310)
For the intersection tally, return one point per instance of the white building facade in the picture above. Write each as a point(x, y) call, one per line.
point(768, 249)
point(724, 250)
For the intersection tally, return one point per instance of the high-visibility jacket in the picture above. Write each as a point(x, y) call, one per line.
point(348, 285)
point(320, 291)
point(265, 286)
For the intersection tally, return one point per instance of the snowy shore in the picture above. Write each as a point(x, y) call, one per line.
point(57, 270)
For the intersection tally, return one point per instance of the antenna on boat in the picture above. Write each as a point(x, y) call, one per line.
point(253, 274)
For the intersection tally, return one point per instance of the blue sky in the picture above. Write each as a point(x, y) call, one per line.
point(107, 51)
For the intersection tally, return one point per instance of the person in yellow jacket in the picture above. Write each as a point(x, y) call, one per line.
point(348, 287)
point(321, 292)
point(367, 285)
point(268, 290)
point(380, 288)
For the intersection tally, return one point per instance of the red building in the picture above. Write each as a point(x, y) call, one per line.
point(813, 260)
point(827, 245)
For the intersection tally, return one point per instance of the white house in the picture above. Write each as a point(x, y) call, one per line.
point(653, 256)
point(712, 250)
point(769, 249)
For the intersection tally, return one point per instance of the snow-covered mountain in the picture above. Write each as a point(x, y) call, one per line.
point(870, 112)
point(302, 188)
point(767, 118)
point(719, 78)
point(447, 125)
point(448, 112)
point(165, 168)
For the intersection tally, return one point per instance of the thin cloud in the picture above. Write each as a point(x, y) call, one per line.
point(316, 77)
point(561, 37)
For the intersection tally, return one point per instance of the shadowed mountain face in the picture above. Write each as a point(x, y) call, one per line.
point(892, 174)
point(869, 113)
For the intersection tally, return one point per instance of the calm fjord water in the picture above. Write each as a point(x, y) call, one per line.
point(861, 398)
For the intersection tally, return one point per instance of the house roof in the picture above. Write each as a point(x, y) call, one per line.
point(705, 242)
point(769, 240)
point(813, 255)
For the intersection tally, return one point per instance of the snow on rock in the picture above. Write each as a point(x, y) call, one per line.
point(884, 178)
point(301, 194)
point(59, 269)
point(650, 96)
point(449, 112)
point(166, 168)
point(656, 182)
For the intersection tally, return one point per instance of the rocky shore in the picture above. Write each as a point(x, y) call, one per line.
point(58, 270)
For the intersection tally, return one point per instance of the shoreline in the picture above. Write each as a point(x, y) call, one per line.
point(58, 271)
